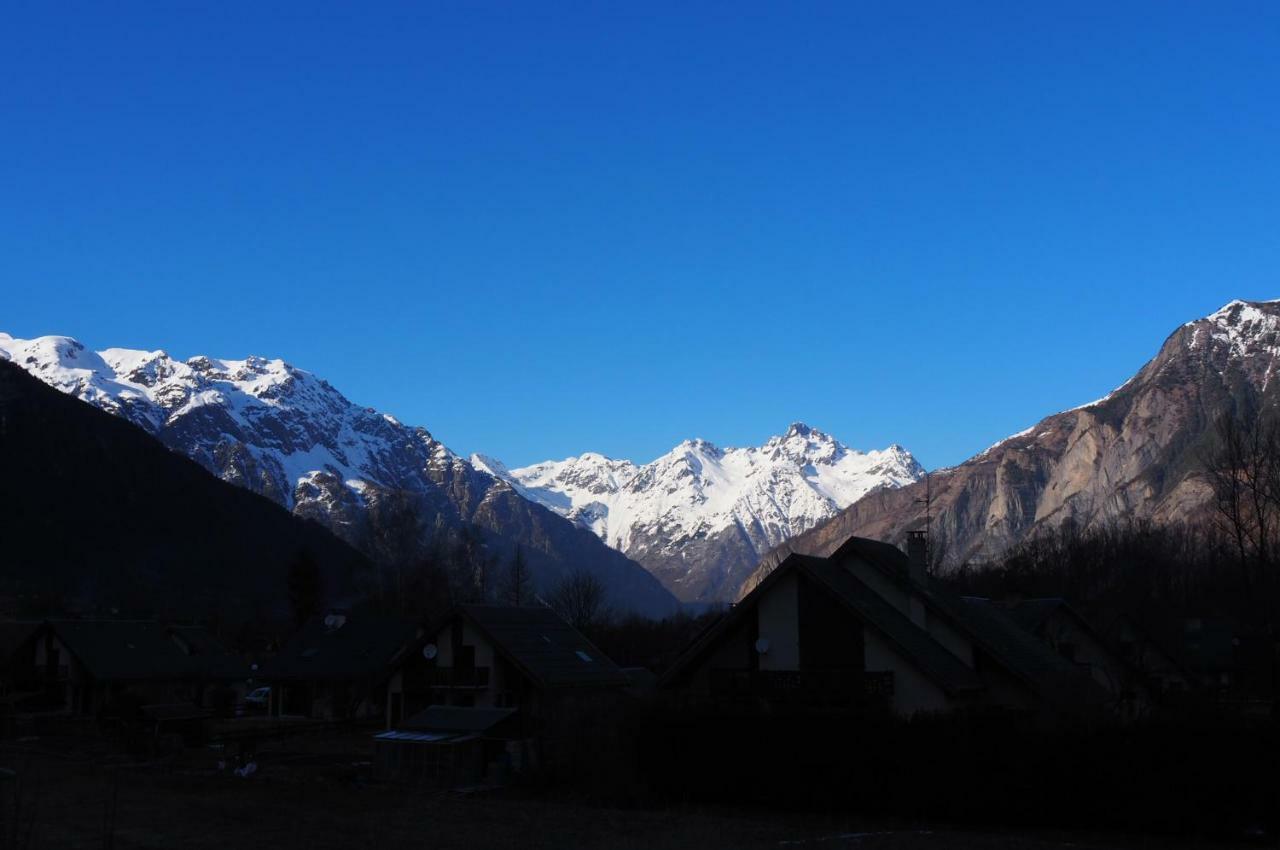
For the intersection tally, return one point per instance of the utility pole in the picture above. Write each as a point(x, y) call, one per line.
point(927, 501)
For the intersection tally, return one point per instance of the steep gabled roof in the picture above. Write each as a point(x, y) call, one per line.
point(360, 647)
point(1030, 614)
point(1025, 656)
point(914, 643)
point(891, 560)
point(144, 649)
point(544, 647)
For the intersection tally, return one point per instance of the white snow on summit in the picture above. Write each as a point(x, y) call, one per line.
point(773, 491)
point(257, 422)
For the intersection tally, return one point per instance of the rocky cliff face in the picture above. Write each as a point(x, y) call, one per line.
point(284, 433)
point(700, 516)
point(1135, 453)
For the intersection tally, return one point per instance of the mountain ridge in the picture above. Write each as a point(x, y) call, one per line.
point(289, 435)
point(99, 517)
point(1135, 453)
point(700, 515)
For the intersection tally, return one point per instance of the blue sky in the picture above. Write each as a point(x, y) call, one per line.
point(540, 229)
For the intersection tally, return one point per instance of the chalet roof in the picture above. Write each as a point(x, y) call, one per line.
point(443, 718)
point(347, 648)
point(546, 648)
point(1030, 614)
point(1023, 653)
point(145, 649)
point(889, 558)
point(999, 637)
point(914, 642)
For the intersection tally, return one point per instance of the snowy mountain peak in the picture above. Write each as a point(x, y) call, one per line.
point(700, 514)
point(1240, 328)
point(799, 429)
point(259, 422)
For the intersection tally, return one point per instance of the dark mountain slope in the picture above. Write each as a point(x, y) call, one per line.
point(93, 509)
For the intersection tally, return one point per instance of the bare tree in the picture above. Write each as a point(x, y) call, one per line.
point(580, 599)
point(1245, 474)
point(518, 584)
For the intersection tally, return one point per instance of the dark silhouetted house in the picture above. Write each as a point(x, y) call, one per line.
point(13, 634)
point(1209, 645)
point(525, 660)
point(866, 629)
point(335, 667)
point(84, 666)
point(449, 747)
point(1072, 636)
point(499, 656)
point(1158, 664)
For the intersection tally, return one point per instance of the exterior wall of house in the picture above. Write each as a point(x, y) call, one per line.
point(952, 639)
point(778, 618)
point(913, 691)
point(504, 687)
point(58, 669)
point(1151, 661)
point(1002, 689)
point(732, 652)
point(1062, 632)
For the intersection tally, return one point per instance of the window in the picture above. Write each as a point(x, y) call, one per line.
point(583, 656)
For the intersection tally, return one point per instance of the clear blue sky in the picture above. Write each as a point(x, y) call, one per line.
point(611, 226)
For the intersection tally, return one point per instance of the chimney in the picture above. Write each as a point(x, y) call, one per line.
point(918, 554)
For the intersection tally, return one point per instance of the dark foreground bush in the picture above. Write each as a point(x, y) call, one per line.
point(1200, 775)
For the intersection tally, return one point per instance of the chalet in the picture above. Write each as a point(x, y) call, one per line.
point(1072, 636)
point(84, 666)
point(866, 628)
point(523, 666)
point(335, 667)
point(499, 656)
point(1152, 657)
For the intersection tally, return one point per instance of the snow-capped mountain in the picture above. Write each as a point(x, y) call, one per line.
point(1135, 453)
point(284, 433)
point(700, 516)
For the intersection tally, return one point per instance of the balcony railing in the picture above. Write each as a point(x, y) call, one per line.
point(804, 687)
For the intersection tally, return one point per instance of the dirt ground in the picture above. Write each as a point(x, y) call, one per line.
point(74, 791)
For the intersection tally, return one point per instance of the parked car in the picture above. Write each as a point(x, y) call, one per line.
point(258, 699)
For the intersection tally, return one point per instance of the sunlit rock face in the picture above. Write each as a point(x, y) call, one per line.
point(1135, 453)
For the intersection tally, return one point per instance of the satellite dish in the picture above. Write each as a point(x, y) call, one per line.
point(430, 652)
point(762, 646)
